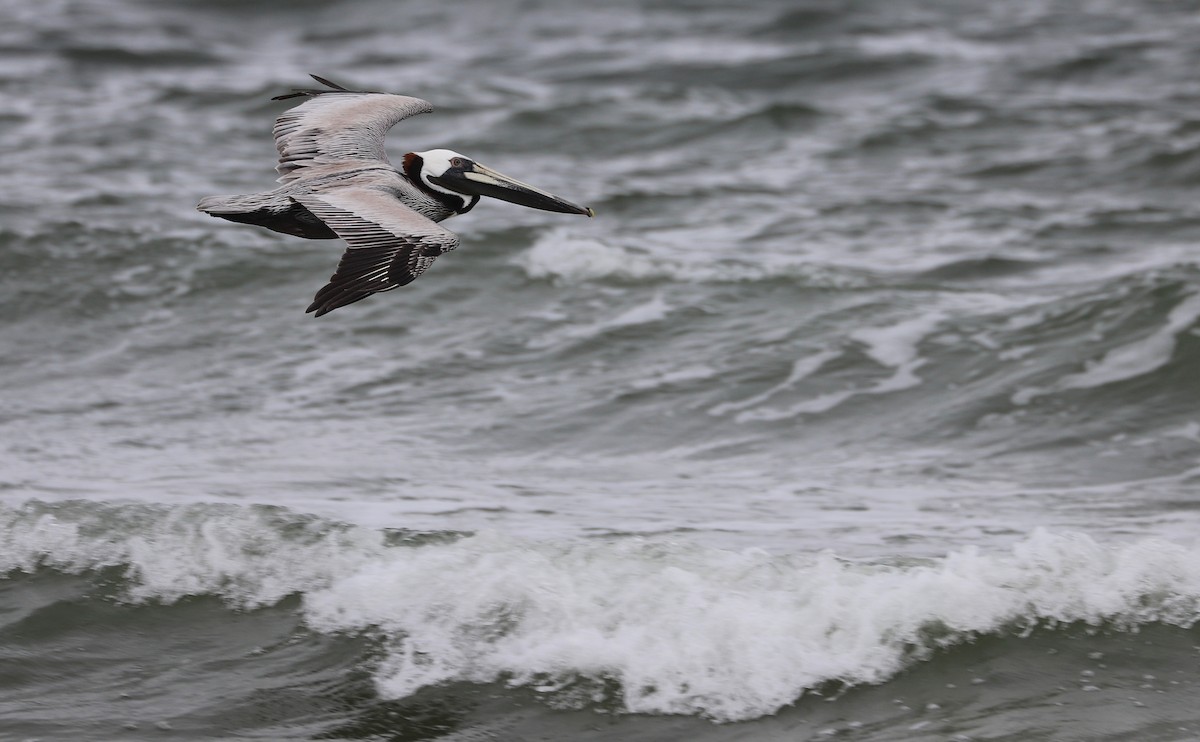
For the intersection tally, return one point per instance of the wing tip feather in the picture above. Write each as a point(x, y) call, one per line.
point(299, 92)
point(327, 83)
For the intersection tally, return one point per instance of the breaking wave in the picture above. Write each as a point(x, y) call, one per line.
point(651, 627)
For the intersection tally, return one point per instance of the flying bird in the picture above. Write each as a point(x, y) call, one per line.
point(337, 182)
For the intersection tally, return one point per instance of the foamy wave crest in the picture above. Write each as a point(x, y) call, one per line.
point(731, 636)
point(251, 556)
point(667, 628)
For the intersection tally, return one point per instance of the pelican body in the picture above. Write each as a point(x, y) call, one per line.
point(336, 182)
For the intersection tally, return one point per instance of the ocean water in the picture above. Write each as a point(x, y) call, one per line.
point(867, 408)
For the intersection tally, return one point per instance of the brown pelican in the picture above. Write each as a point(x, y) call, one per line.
point(337, 182)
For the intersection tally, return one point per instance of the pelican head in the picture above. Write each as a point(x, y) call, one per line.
point(448, 172)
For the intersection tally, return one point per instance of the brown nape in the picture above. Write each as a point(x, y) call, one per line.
point(411, 162)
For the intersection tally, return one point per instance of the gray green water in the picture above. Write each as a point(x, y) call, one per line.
point(865, 409)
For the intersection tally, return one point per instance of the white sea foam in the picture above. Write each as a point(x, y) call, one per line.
point(1127, 361)
point(939, 44)
point(803, 368)
point(661, 377)
point(681, 628)
point(573, 259)
point(168, 553)
point(654, 310)
point(560, 255)
point(895, 346)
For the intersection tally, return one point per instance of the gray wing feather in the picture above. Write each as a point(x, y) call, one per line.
point(389, 244)
point(335, 126)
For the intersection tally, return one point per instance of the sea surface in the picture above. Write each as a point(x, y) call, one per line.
point(867, 407)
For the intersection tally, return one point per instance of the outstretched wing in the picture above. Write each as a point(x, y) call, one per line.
point(336, 125)
point(389, 244)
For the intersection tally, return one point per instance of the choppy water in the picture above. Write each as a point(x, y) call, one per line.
point(866, 408)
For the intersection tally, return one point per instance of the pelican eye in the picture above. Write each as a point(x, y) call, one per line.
point(457, 162)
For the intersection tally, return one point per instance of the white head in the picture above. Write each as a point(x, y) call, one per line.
point(437, 163)
point(446, 172)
